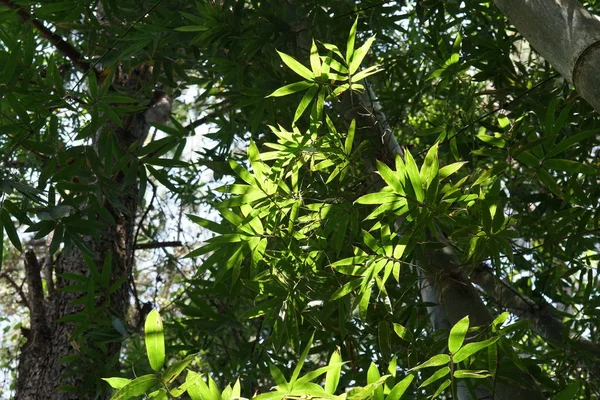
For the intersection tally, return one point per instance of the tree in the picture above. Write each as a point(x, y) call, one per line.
point(491, 207)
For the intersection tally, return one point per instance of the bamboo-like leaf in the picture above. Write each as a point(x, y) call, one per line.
point(569, 392)
point(413, 175)
point(315, 61)
point(302, 359)
point(332, 377)
point(291, 88)
point(304, 103)
point(437, 375)
point(471, 348)
point(373, 69)
point(435, 361)
point(457, 334)
point(136, 387)
point(450, 169)
point(155, 340)
point(570, 166)
point(10, 230)
point(297, 67)
point(471, 374)
point(442, 387)
point(400, 388)
point(359, 55)
point(350, 43)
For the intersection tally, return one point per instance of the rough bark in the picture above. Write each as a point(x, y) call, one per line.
point(543, 316)
point(65, 354)
point(566, 35)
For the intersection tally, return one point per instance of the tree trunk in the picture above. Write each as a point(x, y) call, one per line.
point(74, 339)
point(566, 35)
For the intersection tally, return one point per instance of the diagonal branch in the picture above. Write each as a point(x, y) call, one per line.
point(55, 39)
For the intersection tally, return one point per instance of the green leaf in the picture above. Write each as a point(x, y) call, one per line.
point(332, 377)
point(457, 335)
point(155, 340)
point(569, 392)
point(191, 28)
point(471, 348)
point(570, 166)
point(136, 387)
point(471, 374)
point(437, 375)
point(499, 320)
point(305, 101)
point(402, 332)
point(291, 88)
point(117, 383)
point(549, 181)
point(297, 67)
point(430, 167)
point(450, 169)
point(435, 361)
point(400, 388)
point(302, 360)
point(10, 230)
point(350, 43)
point(570, 141)
point(359, 55)
point(413, 174)
point(175, 369)
point(315, 61)
point(373, 69)
point(442, 387)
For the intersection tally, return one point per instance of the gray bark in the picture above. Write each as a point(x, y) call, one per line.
point(42, 371)
point(566, 35)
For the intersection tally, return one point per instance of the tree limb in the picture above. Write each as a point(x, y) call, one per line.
point(157, 245)
point(55, 39)
point(36, 293)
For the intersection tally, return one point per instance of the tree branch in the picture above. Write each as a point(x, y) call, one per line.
point(56, 40)
point(542, 314)
point(36, 293)
point(18, 289)
point(157, 245)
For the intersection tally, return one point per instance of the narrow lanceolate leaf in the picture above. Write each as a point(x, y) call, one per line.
point(373, 69)
point(350, 138)
point(117, 383)
point(136, 387)
point(291, 88)
point(442, 387)
point(435, 361)
point(469, 374)
point(471, 348)
point(296, 66)
point(430, 166)
point(306, 99)
point(10, 230)
point(332, 378)
point(450, 169)
point(315, 61)
point(570, 166)
point(398, 391)
point(437, 375)
point(351, 39)
point(457, 335)
point(413, 174)
point(569, 392)
point(155, 340)
point(390, 177)
point(359, 55)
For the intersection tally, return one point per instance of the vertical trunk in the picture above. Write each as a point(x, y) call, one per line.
point(566, 35)
point(72, 342)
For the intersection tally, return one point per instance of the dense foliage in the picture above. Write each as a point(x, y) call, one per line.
point(321, 231)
